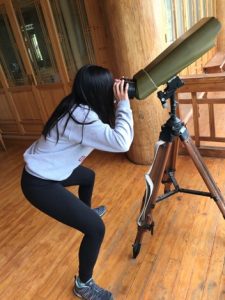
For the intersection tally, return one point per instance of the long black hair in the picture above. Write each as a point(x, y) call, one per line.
point(93, 86)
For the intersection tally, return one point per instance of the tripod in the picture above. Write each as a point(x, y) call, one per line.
point(162, 169)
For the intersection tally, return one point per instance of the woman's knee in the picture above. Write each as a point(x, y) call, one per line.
point(97, 229)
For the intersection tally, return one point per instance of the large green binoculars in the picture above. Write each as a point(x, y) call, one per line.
point(180, 54)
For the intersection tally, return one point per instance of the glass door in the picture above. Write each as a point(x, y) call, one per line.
point(33, 28)
point(10, 58)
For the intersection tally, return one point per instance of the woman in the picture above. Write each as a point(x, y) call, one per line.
point(96, 115)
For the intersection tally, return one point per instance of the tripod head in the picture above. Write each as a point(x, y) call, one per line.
point(174, 126)
point(169, 93)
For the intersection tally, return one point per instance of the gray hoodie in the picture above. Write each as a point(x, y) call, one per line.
point(49, 159)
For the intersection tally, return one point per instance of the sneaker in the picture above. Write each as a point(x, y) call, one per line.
point(91, 291)
point(100, 210)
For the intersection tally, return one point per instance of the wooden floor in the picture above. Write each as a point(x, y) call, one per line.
point(184, 259)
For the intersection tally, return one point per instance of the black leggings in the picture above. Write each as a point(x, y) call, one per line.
point(55, 200)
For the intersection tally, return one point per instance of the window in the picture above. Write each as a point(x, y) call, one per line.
point(170, 33)
point(35, 35)
point(183, 14)
point(10, 59)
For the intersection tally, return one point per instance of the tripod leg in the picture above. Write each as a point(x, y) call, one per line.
point(170, 166)
point(153, 180)
point(209, 181)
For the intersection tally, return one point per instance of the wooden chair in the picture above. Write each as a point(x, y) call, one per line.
point(1, 140)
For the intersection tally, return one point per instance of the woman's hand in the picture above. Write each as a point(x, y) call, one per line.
point(120, 90)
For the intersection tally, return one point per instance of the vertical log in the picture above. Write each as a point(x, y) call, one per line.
point(101, 39)
point(136, 36)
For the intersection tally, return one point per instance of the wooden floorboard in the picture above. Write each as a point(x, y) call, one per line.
point(183, 260)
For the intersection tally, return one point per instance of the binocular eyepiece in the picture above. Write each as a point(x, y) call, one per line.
point(131, 87)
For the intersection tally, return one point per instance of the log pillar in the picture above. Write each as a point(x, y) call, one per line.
point(220, 8)
point(135, 33)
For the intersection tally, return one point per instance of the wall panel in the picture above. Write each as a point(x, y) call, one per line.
point(6, 113)
point(26, 105)
point(51, 96)
point(7, 121)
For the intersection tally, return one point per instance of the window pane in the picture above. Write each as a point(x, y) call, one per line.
point(72, 26)
point(179, 17)
point(203, 9)
point(10, 59)
point(36, 39)
point(190, 20)
point(170, 36)
point(197, 10)
point(210, 8)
